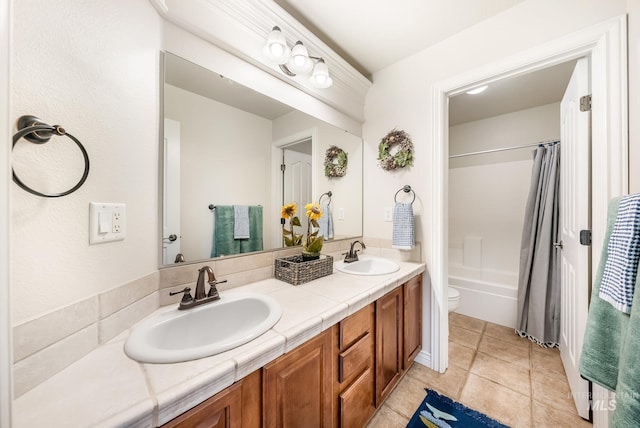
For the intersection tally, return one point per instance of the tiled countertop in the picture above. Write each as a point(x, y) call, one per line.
point(108, 389)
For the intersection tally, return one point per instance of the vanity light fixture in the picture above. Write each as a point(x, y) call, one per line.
point(296, 61)
point(478, 90)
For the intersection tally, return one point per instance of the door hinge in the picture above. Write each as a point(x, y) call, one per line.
point(585, 237)
point(585, 103)
point(283, 167)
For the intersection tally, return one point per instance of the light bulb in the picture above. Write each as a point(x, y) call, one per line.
point(276, 48)
point(320, 77)
point(300, 62)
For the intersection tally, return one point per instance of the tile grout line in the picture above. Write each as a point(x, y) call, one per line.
point(473, 358)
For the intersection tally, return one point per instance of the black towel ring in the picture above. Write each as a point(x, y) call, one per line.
point(36, 131)
point(405, 189)
point(328, 194)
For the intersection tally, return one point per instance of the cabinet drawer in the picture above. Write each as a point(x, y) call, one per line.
point(354, 327)
point(355, 358)
point(356, 402)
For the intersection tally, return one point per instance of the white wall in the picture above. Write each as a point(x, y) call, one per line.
point(401, 96)
point(5, 182)
point(488, 193)
point(91, 67)
point(633, 8)
point(211, 134)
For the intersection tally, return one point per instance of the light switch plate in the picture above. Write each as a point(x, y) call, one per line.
point(107, 222)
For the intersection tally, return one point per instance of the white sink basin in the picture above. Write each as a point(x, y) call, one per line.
point(173, 336)
point(368, 265)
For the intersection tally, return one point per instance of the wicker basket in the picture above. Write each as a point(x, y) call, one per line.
point(296, 271)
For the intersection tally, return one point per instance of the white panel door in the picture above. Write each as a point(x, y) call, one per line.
point(171, 195)
point(575, 208)
point(297, 181)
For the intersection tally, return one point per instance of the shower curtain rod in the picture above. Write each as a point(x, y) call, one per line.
point(504, 148)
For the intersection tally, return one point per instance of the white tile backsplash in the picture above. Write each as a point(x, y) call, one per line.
point(35, 335)
point(35, 369)
point(120, 297)
point(121, 320)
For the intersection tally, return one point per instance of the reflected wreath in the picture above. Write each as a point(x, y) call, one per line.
point(401, 157)
point(335, 162)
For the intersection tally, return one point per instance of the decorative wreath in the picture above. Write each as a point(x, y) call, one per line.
point(335, 162)
point(402, 157)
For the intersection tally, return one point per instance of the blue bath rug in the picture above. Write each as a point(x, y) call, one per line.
point(440, 411)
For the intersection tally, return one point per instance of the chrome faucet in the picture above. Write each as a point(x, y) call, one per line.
point(201, 297)
point(352, 255)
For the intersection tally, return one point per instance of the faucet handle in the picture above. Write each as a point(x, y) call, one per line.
point(213, 291)
point(186, 298)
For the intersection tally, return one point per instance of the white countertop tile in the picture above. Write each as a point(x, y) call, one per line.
point(107, 389)
point(104, 385)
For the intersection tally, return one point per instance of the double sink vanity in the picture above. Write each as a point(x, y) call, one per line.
point(324, 353)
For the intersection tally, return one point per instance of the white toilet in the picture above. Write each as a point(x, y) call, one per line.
point(454, 298)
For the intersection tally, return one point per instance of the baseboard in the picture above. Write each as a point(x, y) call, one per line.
point(424, 358)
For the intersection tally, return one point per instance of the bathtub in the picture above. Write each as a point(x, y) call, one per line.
point(485, 294)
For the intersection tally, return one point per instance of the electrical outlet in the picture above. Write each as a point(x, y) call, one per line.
point(388, 214)
point(107, 222)
point(340, 213)
point(115, 221)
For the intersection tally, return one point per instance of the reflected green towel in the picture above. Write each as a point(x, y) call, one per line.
point(224, 243)
point(612, 344)
point(254, 243)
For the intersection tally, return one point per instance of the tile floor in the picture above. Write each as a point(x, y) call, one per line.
point(492, 370)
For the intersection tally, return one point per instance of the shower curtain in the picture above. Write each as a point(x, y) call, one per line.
point(539, 276)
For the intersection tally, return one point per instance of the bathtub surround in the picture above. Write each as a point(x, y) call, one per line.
point(486, 294)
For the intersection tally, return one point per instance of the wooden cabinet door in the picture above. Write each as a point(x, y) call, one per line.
point(297, 386)
point(389, 331)
point(412, 320)
point(223, 410)
point(356, 401)
point(237, 406)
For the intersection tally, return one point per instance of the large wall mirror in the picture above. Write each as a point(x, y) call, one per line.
point(222, 153)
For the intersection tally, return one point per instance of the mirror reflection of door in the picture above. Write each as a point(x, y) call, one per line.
point(297, 175)
point(171, 194)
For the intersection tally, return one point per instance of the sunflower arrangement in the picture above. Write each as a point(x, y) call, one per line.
point(288, 212)
point(312, 241)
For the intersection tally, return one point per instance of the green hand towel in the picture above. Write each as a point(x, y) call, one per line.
point(603, 333)
point(627, 413)
point(612, 344)
point(224, 243)
point(255, 241)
